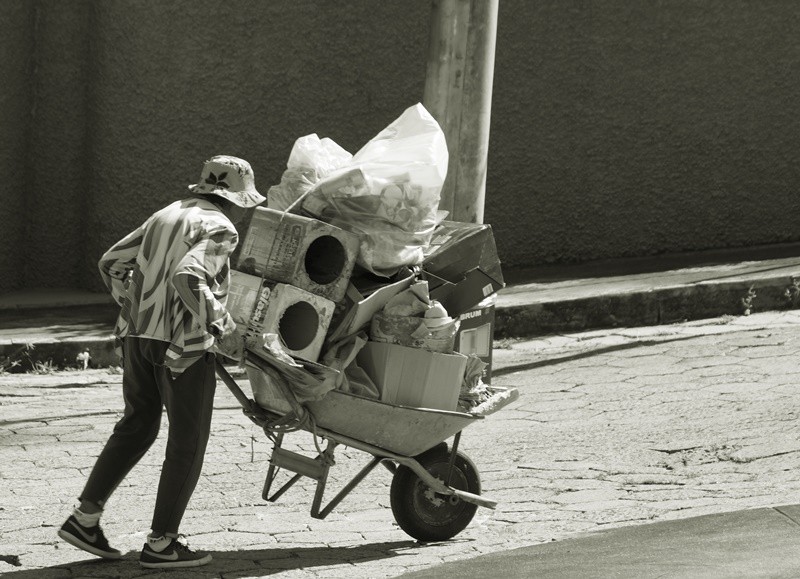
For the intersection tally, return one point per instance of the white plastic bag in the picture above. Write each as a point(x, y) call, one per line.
point(311, 159)
point(388, 192)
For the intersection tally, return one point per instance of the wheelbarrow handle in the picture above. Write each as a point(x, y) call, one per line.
point(233, 386)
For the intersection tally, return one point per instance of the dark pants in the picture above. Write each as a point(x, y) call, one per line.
point(147, 385)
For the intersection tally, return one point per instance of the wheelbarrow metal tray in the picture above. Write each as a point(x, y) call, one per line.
point(402, 430)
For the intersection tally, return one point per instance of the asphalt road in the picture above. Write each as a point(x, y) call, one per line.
point(612, 429)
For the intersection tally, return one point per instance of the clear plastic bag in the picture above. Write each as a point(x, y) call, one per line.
point(388, 192)
point(412, 319)
point(311, 159)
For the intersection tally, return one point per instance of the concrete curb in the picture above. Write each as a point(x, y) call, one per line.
point(45, 354)
point(647, 307)
point(55, 329)
point(59, 326)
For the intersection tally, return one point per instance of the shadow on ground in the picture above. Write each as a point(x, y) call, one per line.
point(238, 564)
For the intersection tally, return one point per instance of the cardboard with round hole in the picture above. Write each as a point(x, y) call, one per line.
point(299, 318)
point(300, 251)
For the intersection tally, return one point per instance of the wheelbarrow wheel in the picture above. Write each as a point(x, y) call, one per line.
point(428, 516)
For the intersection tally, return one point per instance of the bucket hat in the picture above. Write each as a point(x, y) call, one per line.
point(231, 178)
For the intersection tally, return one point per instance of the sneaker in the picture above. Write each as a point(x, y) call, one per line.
point(90, 539)
point(175, 555)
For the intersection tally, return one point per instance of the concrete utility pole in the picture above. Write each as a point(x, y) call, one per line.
point(458, 93)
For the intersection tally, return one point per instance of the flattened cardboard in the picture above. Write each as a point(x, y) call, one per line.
point(414, 377)
point(462, 266)
point(476, 335)
point(360, 309)
point(457, 248)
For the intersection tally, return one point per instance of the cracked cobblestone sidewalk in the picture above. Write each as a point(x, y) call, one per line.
point(612, 429)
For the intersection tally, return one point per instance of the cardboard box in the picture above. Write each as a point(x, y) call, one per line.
point(299, 318)
point(414, 377)
point(462, 266)
point(458, 298)
point(242, 296)
point(476, 335)
point(299, 251)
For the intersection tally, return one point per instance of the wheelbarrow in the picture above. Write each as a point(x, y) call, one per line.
point(435, 490)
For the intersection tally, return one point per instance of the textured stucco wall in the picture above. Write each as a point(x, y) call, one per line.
point(58, 201)
point(16, 48)
point(632, 128)
point(179, 82)
point(618, 128)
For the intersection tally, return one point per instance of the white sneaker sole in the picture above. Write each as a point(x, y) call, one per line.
point(176, 564)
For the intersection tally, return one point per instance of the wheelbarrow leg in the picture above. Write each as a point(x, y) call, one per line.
point(453, 453)
point(315, 510)
point(313, 468)
point(272, 472)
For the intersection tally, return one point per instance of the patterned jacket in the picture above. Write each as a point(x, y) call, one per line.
point(170, 277)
